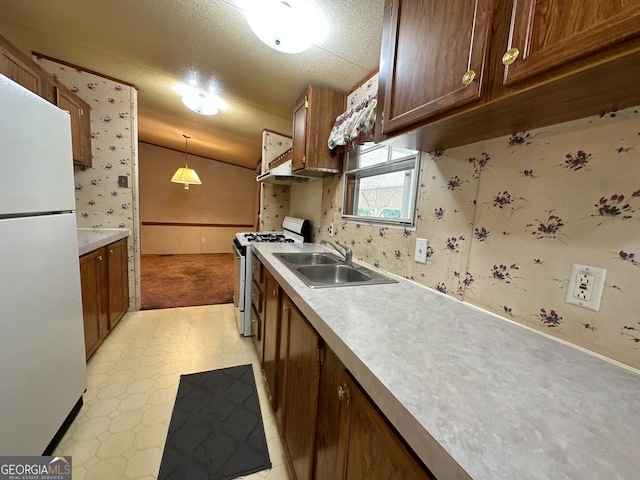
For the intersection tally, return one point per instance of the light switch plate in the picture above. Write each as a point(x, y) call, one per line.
point(585, 287)
point(421, 250)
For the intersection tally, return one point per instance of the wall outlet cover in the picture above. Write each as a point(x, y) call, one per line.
point(586, 284)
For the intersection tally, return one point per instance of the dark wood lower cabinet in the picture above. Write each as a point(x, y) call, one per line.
point(104, 280)
point(329, 427)
point(271, 339)
point(300, 392)
point(93, 272)
point(369, 448)
point(118, 276)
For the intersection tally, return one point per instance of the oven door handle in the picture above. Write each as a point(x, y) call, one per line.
point(236, 252)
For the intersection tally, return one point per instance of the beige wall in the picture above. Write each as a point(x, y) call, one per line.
point(306, 202)
point(223, 205)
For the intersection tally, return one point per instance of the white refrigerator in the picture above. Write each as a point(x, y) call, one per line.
point(42, 356)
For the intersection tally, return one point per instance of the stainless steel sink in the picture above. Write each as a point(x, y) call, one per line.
point(322, 270)
point(309, 258)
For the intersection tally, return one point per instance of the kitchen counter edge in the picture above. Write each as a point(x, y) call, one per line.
point(90, 239)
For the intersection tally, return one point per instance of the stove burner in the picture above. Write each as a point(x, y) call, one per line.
point(267, 237)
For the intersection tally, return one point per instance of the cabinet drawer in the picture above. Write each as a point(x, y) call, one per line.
point(257, 271)
point(257, 297)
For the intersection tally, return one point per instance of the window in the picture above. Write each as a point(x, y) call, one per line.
point(381, 184)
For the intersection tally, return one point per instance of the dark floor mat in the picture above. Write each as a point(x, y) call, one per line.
point(216, 430)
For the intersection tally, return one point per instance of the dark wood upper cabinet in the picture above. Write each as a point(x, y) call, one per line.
point(314, 114)
point(547, 34)
point(574, 59)
point(79, 112)
point(19, 67)
point(22, 69)
point(433, 58)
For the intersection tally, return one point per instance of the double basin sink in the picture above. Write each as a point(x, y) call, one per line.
point(321, 270)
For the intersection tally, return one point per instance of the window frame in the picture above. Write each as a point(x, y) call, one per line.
point(405, 162)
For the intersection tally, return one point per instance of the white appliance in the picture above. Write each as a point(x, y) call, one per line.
point(294, 230)
point(42, 356)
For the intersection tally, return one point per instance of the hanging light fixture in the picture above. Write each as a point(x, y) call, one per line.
point(185, 174)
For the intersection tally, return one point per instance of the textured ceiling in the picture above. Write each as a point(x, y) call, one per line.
point(157, 44)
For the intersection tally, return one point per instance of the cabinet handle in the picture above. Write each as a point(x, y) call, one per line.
point(100, 257)
point(254, 295)
point(510, 56)
point(468, 77)
point(111, 251)
point(275, 292)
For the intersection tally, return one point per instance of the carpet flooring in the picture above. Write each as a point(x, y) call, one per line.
point(216, 430)
point(186, 280)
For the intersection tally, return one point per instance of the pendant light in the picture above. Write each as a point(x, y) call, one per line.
point(185, 174)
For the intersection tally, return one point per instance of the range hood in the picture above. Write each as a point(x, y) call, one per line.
point(280, 172)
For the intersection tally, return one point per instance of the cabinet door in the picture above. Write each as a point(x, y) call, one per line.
point(256, 332)
point(328, 425)
point(301, 393)
point(118, 275)
point(281, 364)
point(551, 33)
point(313, 117)
point(93, 273)
point(433, 58)
point(80, 124)
point(20, 68)
point(299, 138)
point(369, 448)
point(271, 338)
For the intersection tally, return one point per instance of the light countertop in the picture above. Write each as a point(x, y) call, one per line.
point(475, 395)
point(90, 239)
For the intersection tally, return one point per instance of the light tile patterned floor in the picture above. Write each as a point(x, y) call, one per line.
point(132, 382)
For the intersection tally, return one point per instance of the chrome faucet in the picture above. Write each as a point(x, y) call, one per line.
point(347, 254)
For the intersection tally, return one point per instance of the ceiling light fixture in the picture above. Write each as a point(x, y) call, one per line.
point(290, 26)
point(201, 103)
point(185, 174)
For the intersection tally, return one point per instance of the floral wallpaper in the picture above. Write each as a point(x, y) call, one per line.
point(506, 218)
point(274, 206)
point(274, 203)
point(100, 202)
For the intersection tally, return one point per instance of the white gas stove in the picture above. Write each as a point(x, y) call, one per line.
point(294, 230)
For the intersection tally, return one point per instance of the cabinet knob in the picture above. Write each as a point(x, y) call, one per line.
point(468, 77)
point(100, 257)
point(275, 292)
point(342, 392)
point(111, 251)
point(510, 56)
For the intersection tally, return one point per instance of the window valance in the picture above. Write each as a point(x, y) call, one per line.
point(355, 126)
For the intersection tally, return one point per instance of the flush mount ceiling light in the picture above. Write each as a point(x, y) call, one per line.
point(290, 26)
point(201, 103)
point(185, 174)
point(196, 100)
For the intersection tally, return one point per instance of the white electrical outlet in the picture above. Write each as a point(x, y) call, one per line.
point(331, 229)
point(585, 287)
point(420, 255)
